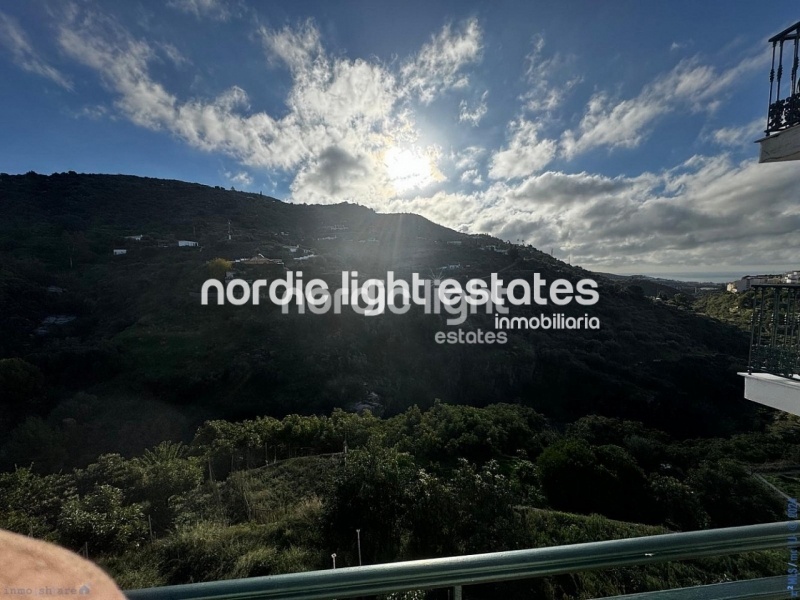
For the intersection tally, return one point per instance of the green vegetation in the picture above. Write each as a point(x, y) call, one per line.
point(179, 442)
point(736, 309)
point(134, 331)
point(218, 267)
point(224, 507)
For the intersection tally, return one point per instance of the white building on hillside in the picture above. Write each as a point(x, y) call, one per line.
point(748, 281)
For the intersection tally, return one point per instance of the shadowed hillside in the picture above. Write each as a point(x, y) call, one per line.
point(103, 352)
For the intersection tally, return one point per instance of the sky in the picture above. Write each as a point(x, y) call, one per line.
point(618, 135)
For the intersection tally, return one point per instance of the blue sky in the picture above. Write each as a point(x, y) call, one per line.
point(619, 133)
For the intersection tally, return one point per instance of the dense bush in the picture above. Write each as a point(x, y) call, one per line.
point(102, 522)
point(268, 496)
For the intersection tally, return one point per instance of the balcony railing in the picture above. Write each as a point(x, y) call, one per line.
point(458, 571)
point(784, 96)
point(775, 331)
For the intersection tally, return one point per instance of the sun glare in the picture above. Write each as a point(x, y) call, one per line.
point(408, 169)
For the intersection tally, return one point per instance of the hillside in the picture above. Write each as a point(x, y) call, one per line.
point(269, 496)
point(115, 353)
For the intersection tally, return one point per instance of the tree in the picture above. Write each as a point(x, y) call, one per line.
point(164, 472)
point(76, 245)
point(606, 479)
point(32, 503)
point(732, 496)
point(22, 386)
point(34, 442)
point(468, 512)
point(102, 522)
point(675, 504)
point(634, 290)
point(370, 493)
point(567, 470)
point(218, 267)
point(681, 299)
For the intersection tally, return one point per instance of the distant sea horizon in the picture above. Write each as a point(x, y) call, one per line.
point(698, 276)
point(709, 276)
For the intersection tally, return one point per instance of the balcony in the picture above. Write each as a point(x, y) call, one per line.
point(783, 115)
point(773, 372)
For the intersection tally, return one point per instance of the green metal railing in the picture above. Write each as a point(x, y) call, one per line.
point(775, 330)
point(457, 571)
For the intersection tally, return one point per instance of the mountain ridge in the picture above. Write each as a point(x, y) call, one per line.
point(130, 329)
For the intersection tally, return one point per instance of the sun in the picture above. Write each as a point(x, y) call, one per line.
point(408, 168)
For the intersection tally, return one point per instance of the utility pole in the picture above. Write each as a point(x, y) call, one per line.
point(358, 534)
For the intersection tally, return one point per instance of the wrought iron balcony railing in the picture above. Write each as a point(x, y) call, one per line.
point(775, 331)
point(458, 571)
point(784, 111)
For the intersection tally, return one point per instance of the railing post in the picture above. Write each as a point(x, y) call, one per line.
point(456, 592)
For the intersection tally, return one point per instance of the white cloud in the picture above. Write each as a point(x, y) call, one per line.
point(298, 48)
point(467, 158)
point(241, 178)
point(606, 123)
point(91, 111)
point(336, 175)
point(473, 116)
point(23, 54)
point(174, 55)
point(707, 211)
point(472, 177)
point(525, 154)
point(741, 136)
point(565, 189)
point(625, 123)
point(549, 78)
point(343, 118)
point(349, 132)
point(329, 174)
point(214, 9)
point(340, 101)
point(439, 65)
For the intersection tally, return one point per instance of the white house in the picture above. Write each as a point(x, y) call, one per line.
point(135, 238)
point(120, 251)
point(187, 243)
point(746, 282)
point(260, 260)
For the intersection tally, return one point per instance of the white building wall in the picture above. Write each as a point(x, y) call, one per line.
point(773, 391)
